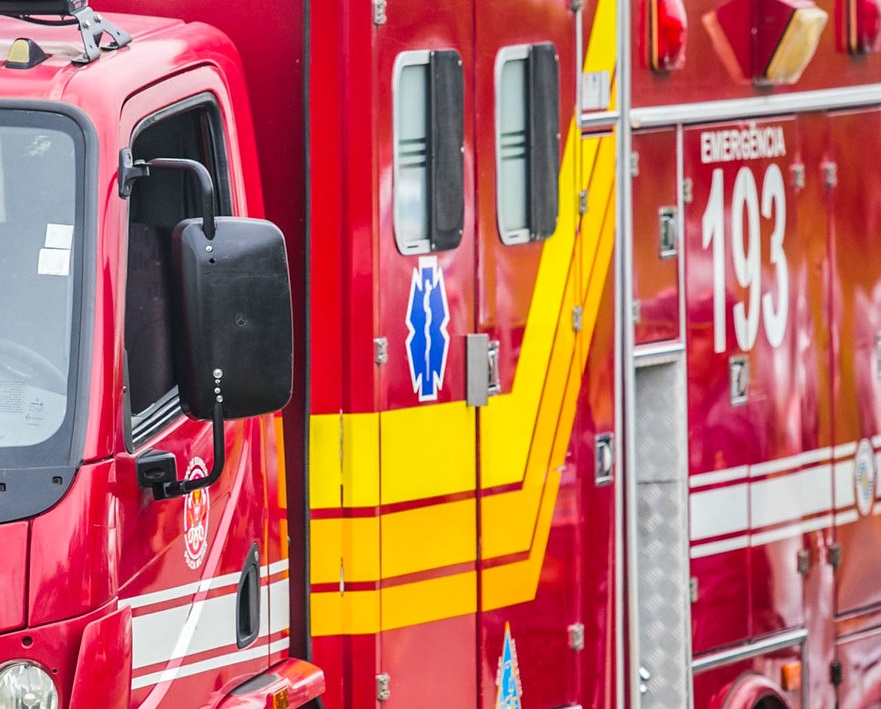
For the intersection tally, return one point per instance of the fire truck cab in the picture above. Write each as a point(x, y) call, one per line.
point(145, 550)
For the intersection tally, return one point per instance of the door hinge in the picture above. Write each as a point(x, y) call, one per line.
point(803, 562)
point(634, 164)
point(830, 174)
point(582, 202)
point(577, 318)
point(692, 589)
point(798, 176)
point(836, 673)
point(380, 351)
point(383, 687)
point(687, 190)
point(576, 636)
point(576, 5)
point(380, 17)
point(834, 557)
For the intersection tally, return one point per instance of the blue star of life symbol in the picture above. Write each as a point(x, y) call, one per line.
point(427, 317)
point(508, 677)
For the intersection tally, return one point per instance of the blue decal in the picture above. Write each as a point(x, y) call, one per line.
point(508, 677)
point(427, 316)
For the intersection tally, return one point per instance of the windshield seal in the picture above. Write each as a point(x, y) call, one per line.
point(35, 476)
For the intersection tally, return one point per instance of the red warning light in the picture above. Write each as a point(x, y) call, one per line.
point(859, 26)
point(667, 26)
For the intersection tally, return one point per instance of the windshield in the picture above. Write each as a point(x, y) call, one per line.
point(41, 178)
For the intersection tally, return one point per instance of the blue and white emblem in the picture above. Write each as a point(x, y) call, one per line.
point(508, 676)
point(427, 317)
point(864, 477)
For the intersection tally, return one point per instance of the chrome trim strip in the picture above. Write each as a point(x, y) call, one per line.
point(750, 650)
point(627, 565)
point(599, 119)
point(756, 107)
point(647, 355)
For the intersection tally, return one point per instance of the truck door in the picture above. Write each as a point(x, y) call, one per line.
point(759, 482)
point(190, 567)
point(535, 435)
point(424, 286)
point(855, 292)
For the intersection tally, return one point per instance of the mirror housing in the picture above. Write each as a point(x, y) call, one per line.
point(233, 318)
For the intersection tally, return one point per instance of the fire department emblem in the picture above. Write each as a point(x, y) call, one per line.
point(197, 504)
point(864, 477)
point(427, 317)
point(508, 676)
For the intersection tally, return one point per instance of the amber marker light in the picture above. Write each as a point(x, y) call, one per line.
point(767, 41)
point(24, 54)
point(667, 26)
point(790, 676)
point(797, 45)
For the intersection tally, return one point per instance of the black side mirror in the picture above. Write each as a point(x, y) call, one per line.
point(233, 331)
point(233, 325)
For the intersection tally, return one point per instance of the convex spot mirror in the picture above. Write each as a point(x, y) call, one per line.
point(233, 324)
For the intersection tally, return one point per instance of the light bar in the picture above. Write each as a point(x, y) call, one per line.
point(18, 8)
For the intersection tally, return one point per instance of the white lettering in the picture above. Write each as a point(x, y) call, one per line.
point(751, 143)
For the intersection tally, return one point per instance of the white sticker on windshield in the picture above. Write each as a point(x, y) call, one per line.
point(59, 236)
point(54, 262)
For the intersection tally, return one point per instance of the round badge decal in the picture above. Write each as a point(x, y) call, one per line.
point(864, 477)
point(197, 504)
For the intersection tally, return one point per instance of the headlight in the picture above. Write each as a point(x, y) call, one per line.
point(26, 686)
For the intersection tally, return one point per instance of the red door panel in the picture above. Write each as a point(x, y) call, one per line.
point(855, 204)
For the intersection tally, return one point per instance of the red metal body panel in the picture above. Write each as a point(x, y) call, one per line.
point(857, 650)
point(106, 642)
point(855, 209)
point(14, 574)
point(655, 275)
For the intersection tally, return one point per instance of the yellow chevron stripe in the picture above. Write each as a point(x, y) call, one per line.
point(446, 463)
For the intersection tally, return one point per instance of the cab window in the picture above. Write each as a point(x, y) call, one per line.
point(191, 130)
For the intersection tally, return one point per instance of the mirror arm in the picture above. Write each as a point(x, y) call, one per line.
point(179, 488)
point(131, 170)
point(205, 183)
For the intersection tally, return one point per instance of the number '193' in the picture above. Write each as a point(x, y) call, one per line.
point(746, 253)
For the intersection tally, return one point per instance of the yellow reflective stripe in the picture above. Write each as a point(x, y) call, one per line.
point(601, 52)
point(352, 543)
point(507, 422)
point(425, 601)
point(428, 538)
point(517, 582)
point(324, 461)
point(360, 462)
point(369, 612)
point(350, 613)
point(427, 451)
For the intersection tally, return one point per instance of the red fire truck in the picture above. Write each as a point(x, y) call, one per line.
point(585, 382)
